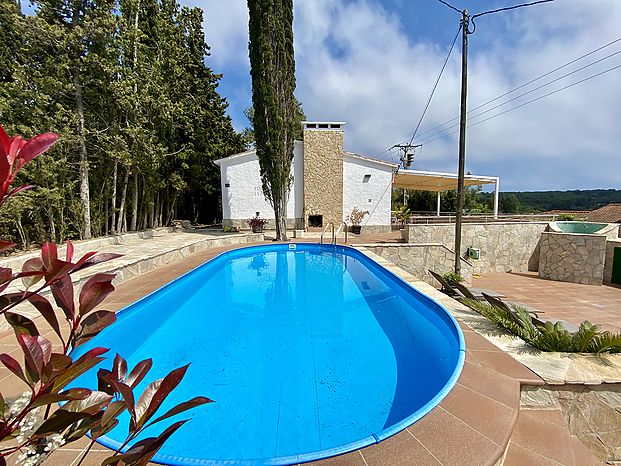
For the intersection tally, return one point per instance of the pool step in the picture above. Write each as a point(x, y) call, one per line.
point(542, 437)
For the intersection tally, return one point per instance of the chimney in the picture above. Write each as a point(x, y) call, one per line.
point(323, 173)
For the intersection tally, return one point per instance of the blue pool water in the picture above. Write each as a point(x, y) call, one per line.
point(308, 353)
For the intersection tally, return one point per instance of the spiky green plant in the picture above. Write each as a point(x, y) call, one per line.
point(551, 336)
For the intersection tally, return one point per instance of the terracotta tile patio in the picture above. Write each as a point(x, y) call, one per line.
point(473, 424)
point(567, 301)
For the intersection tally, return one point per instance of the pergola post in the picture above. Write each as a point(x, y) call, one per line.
point(438, 210)
point(496, 195)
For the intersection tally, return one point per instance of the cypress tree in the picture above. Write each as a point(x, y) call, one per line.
point(272, 68)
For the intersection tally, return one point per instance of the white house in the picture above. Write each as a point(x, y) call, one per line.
point(328, 183)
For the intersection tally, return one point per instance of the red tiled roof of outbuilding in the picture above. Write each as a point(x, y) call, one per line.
point(610, 213)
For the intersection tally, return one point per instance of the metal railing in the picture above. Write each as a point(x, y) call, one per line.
point(428, 218)
point(326, 229)
point(340, 228)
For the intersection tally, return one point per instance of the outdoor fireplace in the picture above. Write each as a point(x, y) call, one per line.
point(315, 220)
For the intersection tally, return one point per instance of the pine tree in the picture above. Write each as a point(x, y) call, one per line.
point(272, 67)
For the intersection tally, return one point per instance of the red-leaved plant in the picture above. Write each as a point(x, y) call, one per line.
point(33, 426)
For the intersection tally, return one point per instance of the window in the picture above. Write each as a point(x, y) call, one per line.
point(366, 178)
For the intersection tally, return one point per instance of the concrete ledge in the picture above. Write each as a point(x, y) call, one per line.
point(132, 265)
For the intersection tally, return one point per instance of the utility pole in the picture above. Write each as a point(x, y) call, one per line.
point(465, 24)
point(407, 156)
point(406, 159)
point(466, 19)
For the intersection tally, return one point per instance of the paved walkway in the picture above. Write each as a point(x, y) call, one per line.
point(566, 301)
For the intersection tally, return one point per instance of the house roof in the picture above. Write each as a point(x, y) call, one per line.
point(242, 155)
point(435, 181)
point(370, 160)
point(610, 213)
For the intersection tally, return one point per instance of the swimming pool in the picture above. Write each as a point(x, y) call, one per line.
point(309, 351)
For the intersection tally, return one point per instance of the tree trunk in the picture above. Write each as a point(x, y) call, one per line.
point(50, 214)
point(134, 220)
point(120, 224)
point(280, 214)
point(85, 196)
point(107, 222)
point(113, 202)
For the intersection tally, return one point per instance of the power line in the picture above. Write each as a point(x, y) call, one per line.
point(526, 93)
point(450, 6)
point(526, 84)
point(531, 101)
point(435, 85)
point(508, 8)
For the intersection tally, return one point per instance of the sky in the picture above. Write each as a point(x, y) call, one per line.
point(373, 64)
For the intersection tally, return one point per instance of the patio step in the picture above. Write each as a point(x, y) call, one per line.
point(541, 437)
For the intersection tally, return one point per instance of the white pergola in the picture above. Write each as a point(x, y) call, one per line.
point(439, 182)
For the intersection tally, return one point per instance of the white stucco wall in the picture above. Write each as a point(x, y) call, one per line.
point(373, 195)
point(244, 195)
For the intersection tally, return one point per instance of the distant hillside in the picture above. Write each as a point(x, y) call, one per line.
point(541, 201)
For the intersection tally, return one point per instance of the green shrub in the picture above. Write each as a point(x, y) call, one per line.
point(551, 336)
point(453, 277)
point(566, 218)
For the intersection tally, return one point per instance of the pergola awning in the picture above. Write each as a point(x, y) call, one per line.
point(436, 181)
point(439, 182)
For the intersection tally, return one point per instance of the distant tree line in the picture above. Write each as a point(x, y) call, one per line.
point(125, 85)
point(476, 201)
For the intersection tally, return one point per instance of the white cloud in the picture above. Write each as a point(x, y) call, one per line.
point(355, 62)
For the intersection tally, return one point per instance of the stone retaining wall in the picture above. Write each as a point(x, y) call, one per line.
point(418, 258)
point(504, 246)
point(570, 257)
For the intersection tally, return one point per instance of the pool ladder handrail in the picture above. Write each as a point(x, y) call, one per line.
point(340, 228)
point(326, 229)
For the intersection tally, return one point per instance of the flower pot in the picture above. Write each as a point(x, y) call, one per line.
point(257, 228)
point(356, 229)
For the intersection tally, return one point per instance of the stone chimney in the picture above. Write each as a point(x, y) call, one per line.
point(323, 173)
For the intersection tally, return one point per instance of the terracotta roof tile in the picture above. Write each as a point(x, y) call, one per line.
point(610, 213)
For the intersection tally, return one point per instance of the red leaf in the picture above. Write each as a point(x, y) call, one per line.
point(139, 372)
point(93, 404)
point(95, 258)
point(126, 393)
point(85, 362)
point(69, 252)
point(32, 266)
point(59, 421)
point(119, 366)
point(69, 395)
point(5, 142)
point(47, 311)
point(37, 353)
point(94, 291)
point(181, 407)
point(6, 274)
point(36, 146)
point(141, 452)
point(9, 299)
point(49, 253)
point(12, 365)
point(16, 143)
point(62, 291)
point(93, 324)
point(4, 245)
point(150, 402)
point(112, 412)
point(19, 189)
point(21, 324)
